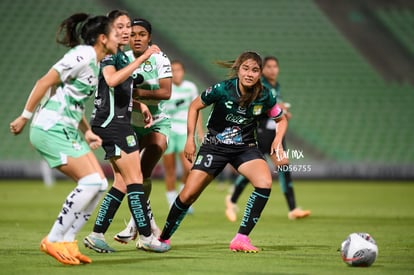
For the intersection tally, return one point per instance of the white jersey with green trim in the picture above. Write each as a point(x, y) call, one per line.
point(177, 106)
point(78, 71)
point(156, 67)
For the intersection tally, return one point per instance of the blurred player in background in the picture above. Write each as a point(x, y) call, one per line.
point(183, 93)
point(55, 130)
point(152, 90)
point(266, 133)
point(237, 104)
point(111, 120)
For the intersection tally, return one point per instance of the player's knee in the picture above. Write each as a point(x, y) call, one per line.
point(92, 183)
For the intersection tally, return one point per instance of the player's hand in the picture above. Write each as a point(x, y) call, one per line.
point(277, 153)
point(93, 140)
point(151, 50)
point(147, 115)
point(17, 125)
point(190, 150)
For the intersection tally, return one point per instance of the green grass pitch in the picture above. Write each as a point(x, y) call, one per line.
point(200, 245)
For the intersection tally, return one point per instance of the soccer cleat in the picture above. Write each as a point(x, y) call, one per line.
point(298, 213)
point(242, 243)
point(73, 250)
point(128, 234)
point(97, 243)
point(58, 251)
point(231, 209)
point(151, 243)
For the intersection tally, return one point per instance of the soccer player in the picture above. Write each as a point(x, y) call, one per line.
point(236, 105)
point(183, 93)
point(266, 132)
point(61, 133)
point(151, 88)
point(111, 120)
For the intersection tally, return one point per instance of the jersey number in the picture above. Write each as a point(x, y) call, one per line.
point(209, 160)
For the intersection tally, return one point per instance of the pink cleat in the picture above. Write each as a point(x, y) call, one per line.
point(242, 243)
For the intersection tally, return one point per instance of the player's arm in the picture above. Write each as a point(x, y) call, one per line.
point(146, 113)
point(277, 150)
point(91, 138)
point(163, 93)
point(192, 117)
point(50, 79)
point(114, 77)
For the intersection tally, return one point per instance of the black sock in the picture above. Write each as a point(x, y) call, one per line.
point(176, 215)
point(138, 207)
point(254, 207)
point(285, 181)
point(107, 210)
point(239, 186)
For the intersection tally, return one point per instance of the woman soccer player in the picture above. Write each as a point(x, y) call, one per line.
point(237, 104)
point(152, 83)
point(55, 130)
point(266, 133)
point(183, 93)
point(111, 120)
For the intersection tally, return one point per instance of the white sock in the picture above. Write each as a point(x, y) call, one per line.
point(75, 203)
point(81, 220)
point(171, 196)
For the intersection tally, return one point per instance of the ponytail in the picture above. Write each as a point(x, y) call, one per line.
point(80, 27)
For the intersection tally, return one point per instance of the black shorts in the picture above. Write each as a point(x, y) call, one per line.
point(212, 158)
point(117, 138)
point(265, 139)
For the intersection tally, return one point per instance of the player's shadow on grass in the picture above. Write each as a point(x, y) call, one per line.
point(290, 247)
point(139, 258)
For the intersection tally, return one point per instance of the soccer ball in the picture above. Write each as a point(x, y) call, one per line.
point(359, 249)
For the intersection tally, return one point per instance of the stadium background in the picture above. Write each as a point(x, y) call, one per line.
point(346, 68)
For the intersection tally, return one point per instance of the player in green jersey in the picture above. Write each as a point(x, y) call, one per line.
point(111, 120)
point(266, 132)
point(237, 103)
point(61, 133)
point(151, 89)
point(183, 93)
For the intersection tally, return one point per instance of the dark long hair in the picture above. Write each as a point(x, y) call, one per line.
point(253, 92)
point(80, 26)
point(114, 14)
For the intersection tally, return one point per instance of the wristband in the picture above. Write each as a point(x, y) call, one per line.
point(26, 114)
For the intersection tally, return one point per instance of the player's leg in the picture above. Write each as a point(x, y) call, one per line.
point(286, 185)
point(89, 180)
point(107, 210)
point(170, 176)
point(257, 171)
point(231, 199)
point(196, 182)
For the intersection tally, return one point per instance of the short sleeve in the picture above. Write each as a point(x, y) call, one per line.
point(108, 60)
point(163, 66)
point(211, 95)
point(71, 65)
point(194, 90)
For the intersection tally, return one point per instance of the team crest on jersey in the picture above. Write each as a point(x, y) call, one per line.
point(257, 109)
point(131, 141)
point(147, 66)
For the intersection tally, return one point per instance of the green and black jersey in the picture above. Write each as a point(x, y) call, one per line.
point(231, 124)
point(113, 104)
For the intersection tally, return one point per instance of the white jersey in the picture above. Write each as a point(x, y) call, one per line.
point(156, 67)
point(78, 71)
point(177, 106)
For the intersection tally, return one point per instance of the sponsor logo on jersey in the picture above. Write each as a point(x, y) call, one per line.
point(238, 119)
point(241, 110)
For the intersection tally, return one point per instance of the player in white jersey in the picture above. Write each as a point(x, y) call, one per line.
point(183, 93)
point(151, 89)
point(61, 133)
